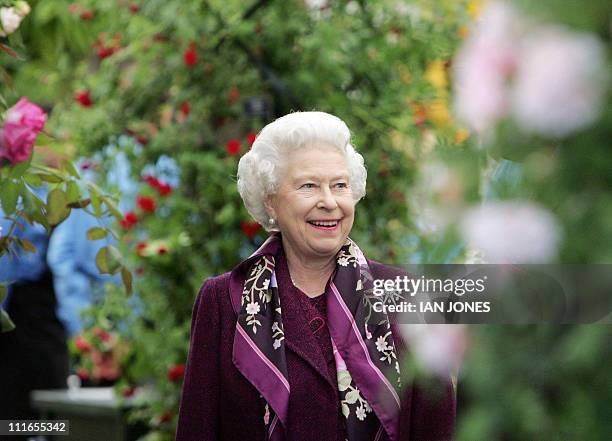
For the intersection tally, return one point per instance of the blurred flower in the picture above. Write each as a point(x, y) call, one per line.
point(438, 347)
point(102, 334)
point(483, 66)
point(233, 95)
point(86, 15)
point(9, 21)
point(512, 232)
point(250, 229)
point(251, 136)
point(83, 98)
point(82, 344)
point(176, 372)
point(106, 366)
point(141, 248)
point(133, 7)
point(185, 108)
point(162, 250)
point(162, 188)
point(233, 147)
point(83, 374)
point(559, 82)
point(22, 8)
point(146, 203)
point(22, 124)
point(129, 220)
point(166, 417)
point(436, 74)
point(128, 391)
point(190, 57)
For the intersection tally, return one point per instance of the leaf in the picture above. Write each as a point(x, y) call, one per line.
point(33, 179)
point(57, 207)
point(101, 260)
point(344, 380)
point(3, 293)
point(80, 203)
point(70, 168)
point(345, 410)
point(352, 397)
point(6, 324)
point(113, 259)
point(126, 276)
point(8, 196)
point(112, 207)
point(27, 245)
point(95, 201)
point(72, 192)
point(97, 233)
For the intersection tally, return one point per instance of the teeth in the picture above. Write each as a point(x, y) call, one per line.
point(324, 224)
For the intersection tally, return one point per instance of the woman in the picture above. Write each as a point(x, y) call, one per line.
point(280, 347)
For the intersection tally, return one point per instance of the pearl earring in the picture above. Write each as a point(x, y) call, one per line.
point(271, 221)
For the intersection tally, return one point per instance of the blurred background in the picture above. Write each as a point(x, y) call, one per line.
point(486, 128)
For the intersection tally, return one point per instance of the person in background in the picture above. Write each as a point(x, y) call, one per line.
point(34, 355)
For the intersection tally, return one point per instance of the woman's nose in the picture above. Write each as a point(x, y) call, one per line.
point(328, 201)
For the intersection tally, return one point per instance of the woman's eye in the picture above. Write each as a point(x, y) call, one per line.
point(341, 185)
point(308, 185)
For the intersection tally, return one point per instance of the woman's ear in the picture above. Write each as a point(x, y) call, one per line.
point(269, 205)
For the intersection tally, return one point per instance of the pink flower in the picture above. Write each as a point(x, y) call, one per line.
point(22, 124)
point(438, 347)
point(484, 65)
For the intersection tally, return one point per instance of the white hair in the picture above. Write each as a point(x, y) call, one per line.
point(260, 169)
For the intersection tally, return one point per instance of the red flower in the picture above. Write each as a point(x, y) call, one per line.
point(185, 108)
point(129, 391)
point(81, 344)
point(83, 374)
point(233, 95)
point(151, 180)
point(129, 220)
point(88, 14)
point(250, 229)
point(233, 147)
point(134, 8)
point(139, 270)
point(251, 136)
point(101, 334)
point(140, 248)
point(162, 250)
point(105, 51)
point(142, 140)
point(83, 98)
point(164, 189)
point(190, 57)
point(176, 372)
point(146, 203)
point(165, 417)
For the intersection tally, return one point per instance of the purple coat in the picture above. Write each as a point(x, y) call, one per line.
point(219, 404)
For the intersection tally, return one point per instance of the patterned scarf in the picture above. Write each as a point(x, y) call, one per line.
point(366, 361)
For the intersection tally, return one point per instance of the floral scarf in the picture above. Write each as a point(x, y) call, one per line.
point(366, 361)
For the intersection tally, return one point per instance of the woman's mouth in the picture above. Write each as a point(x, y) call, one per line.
point(326, 225)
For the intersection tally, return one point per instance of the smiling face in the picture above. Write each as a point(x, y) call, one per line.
point(314, 205)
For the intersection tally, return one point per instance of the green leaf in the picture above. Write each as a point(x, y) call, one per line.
point(126, 276)
point(72, 192)
point(70, 168)
point(33, 179)
point(101, 261)
point(95, 201)
point(6, 324)
point(48, 177)
point(8, 196)
point(3, 293)
point(82, 203)
point(97, 233)
point(27, 245)
point(113, 260)
point(57, 207)
point(19, 170)
point(112, 207)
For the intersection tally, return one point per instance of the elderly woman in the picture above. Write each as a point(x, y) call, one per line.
point(280, 346)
